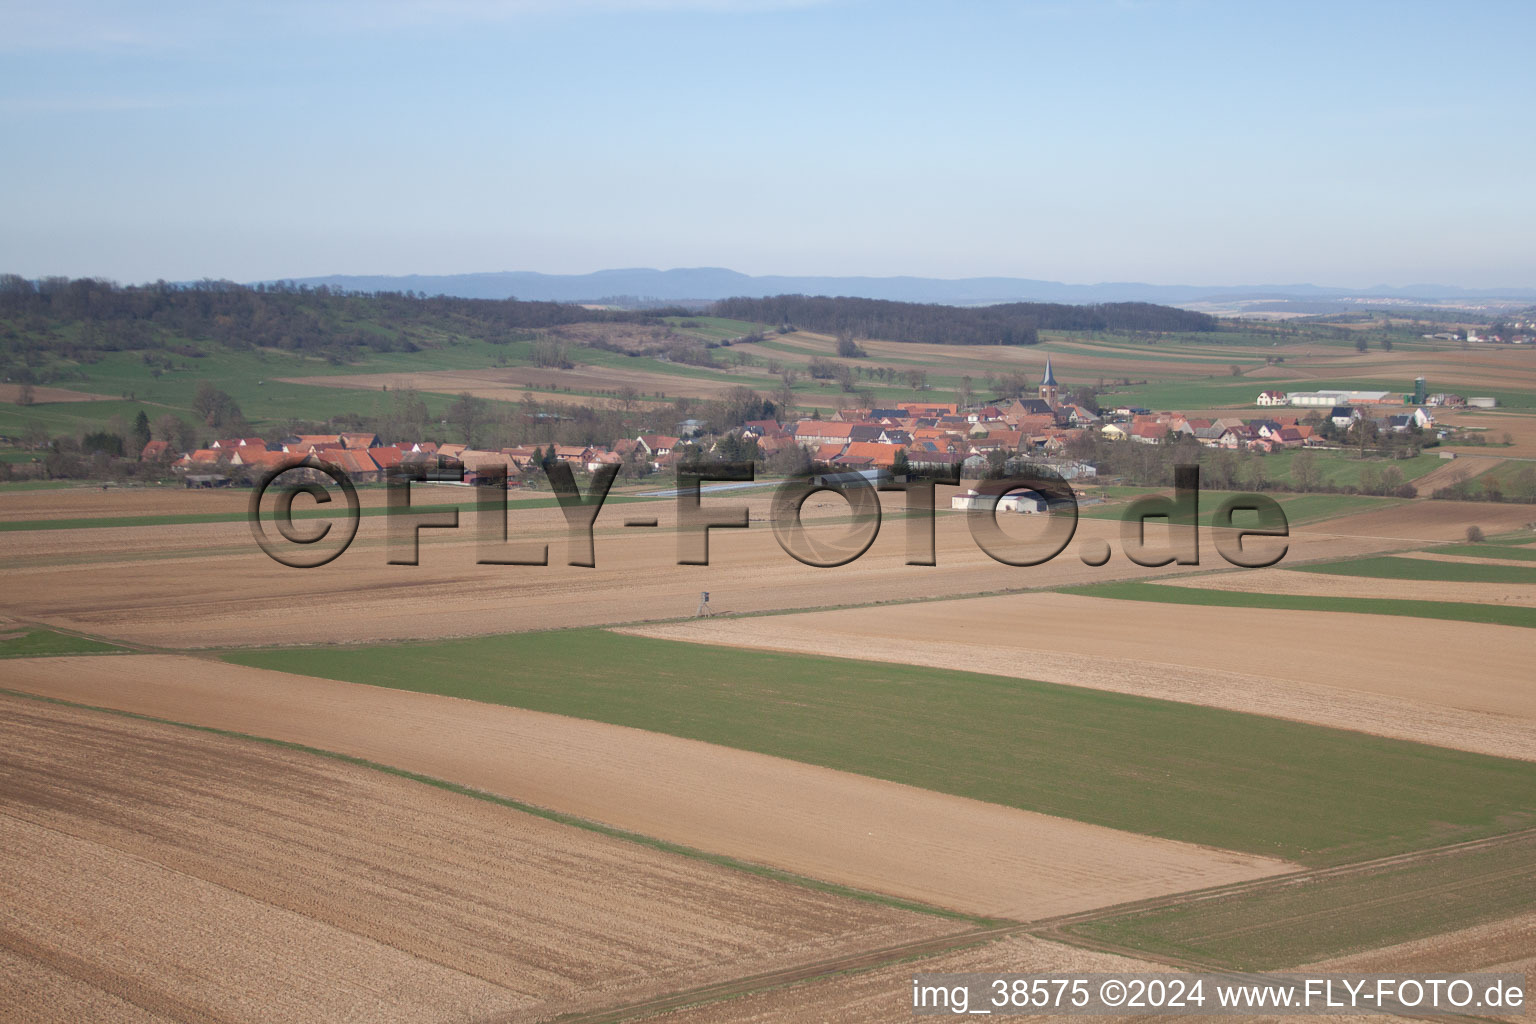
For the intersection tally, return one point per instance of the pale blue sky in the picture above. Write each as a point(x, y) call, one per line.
point(1169, 141)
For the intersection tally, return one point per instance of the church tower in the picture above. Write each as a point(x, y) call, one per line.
point(1048, 385)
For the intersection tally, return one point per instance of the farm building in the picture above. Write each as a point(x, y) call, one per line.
point(1337, 396)
point(1027, 502)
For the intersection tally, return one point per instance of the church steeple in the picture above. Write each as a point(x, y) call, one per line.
point(1048, 385)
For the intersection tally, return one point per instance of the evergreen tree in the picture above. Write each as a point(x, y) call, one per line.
point(140, 435)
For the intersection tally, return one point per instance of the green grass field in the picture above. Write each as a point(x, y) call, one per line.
point(1386, 567)
point(1310, 794)
point(34, 643)
point(1287, 924)
point(1494, 614)
point(1505, 551)
point(1344, 469)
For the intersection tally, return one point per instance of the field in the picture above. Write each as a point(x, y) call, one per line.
point(1222, 779)
point(897, 841)
point(1289, 582)
point(1221, 598)
point(1343, 676)
point(1482, 571)
point(237, 791)
point(1335, 914)
point(215, 878)
point(32, 643)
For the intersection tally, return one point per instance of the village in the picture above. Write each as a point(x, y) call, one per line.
point(922, 437)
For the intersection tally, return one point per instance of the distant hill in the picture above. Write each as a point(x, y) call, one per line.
point(707, 284)
point(1009, 323)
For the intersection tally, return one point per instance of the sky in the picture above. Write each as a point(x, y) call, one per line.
point(1165, 141)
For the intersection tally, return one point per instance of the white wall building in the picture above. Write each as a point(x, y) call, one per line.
point(1337, 396)
point(1027, 502)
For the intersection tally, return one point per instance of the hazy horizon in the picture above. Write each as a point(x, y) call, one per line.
point(1166, 142)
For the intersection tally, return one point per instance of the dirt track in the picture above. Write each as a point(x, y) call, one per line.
point(944, 850)
point(153, 872)
point(1468, 686)
point(1283, 581)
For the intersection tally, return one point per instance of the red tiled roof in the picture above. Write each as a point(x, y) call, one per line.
point(878, 454)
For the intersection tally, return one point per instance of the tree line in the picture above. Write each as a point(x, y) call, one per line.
point(1013, 323)
point(107, 317)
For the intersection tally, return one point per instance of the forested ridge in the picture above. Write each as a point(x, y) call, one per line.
point(103, 316)
point(76, 316)
point(1013, 323)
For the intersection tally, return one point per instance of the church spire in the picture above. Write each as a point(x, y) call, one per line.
point(1048, 386)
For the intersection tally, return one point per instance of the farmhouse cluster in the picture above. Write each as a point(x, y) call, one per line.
point(970, 441)
point(1329, 397)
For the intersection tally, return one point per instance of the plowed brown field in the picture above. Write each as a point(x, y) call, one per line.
point(1468, 686)
point(886, 994)
point(151, 872)
point(43, 393)
point(880, 836)
point(1283, 581)
point(209, 585)
point(879, 996)
point(508, 385)
point(1503, 947)
point(1455, 472)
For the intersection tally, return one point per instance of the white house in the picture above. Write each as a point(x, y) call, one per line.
point(1343, 416)
point(1272, 398)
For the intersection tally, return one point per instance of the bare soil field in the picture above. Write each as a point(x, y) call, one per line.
point(1468, 686)
point(885, 994)
point(42, 394)
point(1080, 360)
point(1504, 947)
point(1422, 521)
point(1519, 425)
point(1454, 472)
point(1431, 556)
point(1282, 581)
point(208, 584)
point(508, 384)
point(90, 501)
point(153, 872)
point(869, 834)
point(1496, 368)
